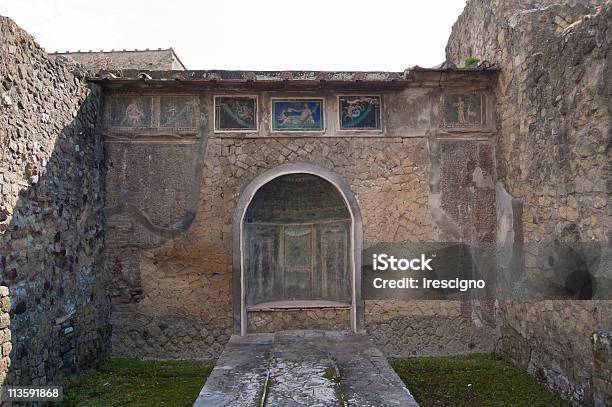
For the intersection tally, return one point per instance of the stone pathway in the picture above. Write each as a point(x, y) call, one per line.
point(303, 369)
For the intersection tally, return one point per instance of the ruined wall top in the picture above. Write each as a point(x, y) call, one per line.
point(484, 27)
point(159, 59)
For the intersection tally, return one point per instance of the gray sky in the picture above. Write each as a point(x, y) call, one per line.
point(241, 34)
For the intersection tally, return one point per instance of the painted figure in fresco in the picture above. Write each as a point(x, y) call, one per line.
point(242, 112)
point(304, 116)
point(174, 115)
point(358, 106)
point(461, 111)
point(133, 114)
point(359, 112)
point(171, 113)
point(245, 111)
point(465, 113)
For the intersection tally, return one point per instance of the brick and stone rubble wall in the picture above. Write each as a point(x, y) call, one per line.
point(5, 333)
point(51, 218)
point(553, 167)
point(602, 368)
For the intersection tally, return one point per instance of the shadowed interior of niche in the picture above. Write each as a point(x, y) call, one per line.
point(297, 242)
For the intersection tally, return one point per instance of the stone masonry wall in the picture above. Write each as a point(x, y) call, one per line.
point(172, 192)
point(5, 333)
point(602, 368)
point(190, 275)
point(553, 168)
point(274, 321)
point(51, 219)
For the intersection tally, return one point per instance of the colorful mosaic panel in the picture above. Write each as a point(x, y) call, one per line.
point(297, 115)
point(131, 111)
point(359, 112)
point(176, 111)
point(235, 113)
point(463, 111)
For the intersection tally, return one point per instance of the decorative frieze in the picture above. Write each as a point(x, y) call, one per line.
point(137, 116)
point(182, 117)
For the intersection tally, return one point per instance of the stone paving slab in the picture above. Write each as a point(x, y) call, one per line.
point(308, 368)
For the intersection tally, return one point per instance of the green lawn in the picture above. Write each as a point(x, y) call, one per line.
point(471, 380)
point(467, 380)
point(133, 382)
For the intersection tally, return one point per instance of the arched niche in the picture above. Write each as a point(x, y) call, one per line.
point(297, 236)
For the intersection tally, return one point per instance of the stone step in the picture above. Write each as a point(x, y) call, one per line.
point(308, 368)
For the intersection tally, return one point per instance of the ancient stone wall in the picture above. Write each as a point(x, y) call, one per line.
point(602, 368)
point(274, 321)
point(51, 219)
point(5, 333)
point(172, 192)
point(553, 168)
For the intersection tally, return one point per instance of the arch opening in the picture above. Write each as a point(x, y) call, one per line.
point(297, 238)
point(296, 244)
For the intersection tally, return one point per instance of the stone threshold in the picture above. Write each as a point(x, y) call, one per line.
point(308, 368)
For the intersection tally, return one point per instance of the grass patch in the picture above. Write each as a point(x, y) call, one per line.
point(471, 61)
point(134, 382)
point(330, 374)
point(472, 380)
point(334, 375)
point(264, 392)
